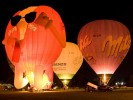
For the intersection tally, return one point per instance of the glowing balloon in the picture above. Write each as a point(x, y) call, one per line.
point(33, 41)
point(68, 63)
point(104, 44)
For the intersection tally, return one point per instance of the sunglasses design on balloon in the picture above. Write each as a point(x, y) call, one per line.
point(30, 17)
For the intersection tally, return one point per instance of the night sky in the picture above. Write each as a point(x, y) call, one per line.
point(75, 14)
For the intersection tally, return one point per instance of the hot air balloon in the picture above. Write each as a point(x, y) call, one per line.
point(34, 39)
point(104, 44)
point(68, 63)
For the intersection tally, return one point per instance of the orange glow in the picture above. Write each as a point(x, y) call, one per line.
point(104, 80)
point(33, 46)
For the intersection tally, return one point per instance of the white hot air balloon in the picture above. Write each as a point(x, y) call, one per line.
point(68, 63)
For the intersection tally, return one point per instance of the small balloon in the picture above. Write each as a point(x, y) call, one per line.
point(68, 63)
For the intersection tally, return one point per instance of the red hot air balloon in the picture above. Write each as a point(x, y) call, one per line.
point(104, 44)
point(33, 41)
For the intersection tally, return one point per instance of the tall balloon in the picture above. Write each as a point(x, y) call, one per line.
point(34, 39)
point(104, 44)
point(68, 63)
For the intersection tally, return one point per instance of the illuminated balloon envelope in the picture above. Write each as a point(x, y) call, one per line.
point(33, 41)
point(68, 63)
point(104, 44)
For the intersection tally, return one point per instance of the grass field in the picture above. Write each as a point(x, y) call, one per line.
point(70, 94)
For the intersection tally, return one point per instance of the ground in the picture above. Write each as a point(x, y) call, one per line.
point(70, 94)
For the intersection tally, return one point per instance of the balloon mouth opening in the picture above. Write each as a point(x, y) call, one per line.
point(65, 82)
point(104, 78)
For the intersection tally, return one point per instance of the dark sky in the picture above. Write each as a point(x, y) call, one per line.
point(75, 14)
